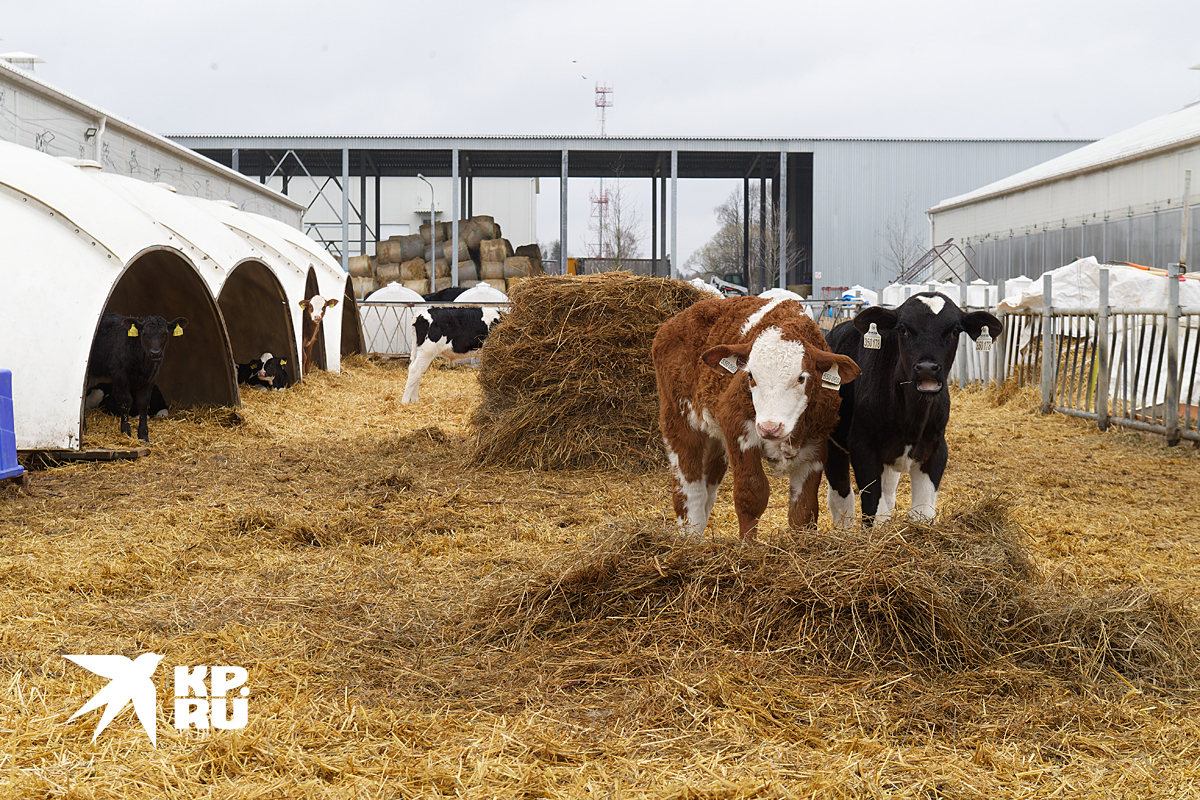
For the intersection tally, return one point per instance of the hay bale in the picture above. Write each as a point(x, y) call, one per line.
point(495, 283)
point(491, 270)
point(566, 379)
point(363, 286)
point(517, 267)
point(361, 266)
point(388, 273)
point(487, 224)
point(467, 272)
point(534, 254)
point(413, 270)
point(398, 249)
point(418, 286)
point(512, 283)
point(495, 250)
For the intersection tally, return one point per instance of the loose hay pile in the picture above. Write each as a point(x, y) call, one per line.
point(960, 594)
point(566, 379)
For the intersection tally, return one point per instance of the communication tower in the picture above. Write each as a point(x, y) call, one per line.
point(600, 199)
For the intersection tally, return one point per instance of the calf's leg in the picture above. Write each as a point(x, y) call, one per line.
point(427, 351)
point(805, 481)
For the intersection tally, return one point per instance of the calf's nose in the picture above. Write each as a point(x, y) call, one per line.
point(770, 430)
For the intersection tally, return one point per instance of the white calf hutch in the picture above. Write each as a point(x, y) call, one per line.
point(76, 242)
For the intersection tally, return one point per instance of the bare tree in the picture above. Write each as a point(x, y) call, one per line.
point(723, 254)
point(900, 242)
point(620, 229)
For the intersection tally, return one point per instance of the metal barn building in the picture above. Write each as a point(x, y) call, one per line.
point(1118, 199)
point(838, 196)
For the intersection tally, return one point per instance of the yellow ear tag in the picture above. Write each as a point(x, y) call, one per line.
point(178, 330)
point(283, 362)
point(132, 331)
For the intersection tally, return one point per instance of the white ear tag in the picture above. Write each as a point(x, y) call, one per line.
point(871, 339)
point(831, 378)
point(984, 341)
point(729, 363)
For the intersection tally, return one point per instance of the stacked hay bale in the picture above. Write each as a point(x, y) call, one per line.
point(406, 259)
point(566, 379)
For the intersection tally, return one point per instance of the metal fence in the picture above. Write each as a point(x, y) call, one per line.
point(387, 326)
point(1134, 367)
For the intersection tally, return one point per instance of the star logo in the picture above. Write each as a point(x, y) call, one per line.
point(129, 682)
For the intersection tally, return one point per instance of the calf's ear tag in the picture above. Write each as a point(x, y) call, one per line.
point(283, 362)
point(132, 331)
point(178, 331)
point(729, 363)
point(984, 340)
point(831, 378)
point(871, 339)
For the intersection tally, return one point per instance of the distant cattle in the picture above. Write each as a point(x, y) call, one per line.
point(739, 380)
point(265, 373)
point(893, 418)
point(453, 333)
point(314, 313)
point(129, 351)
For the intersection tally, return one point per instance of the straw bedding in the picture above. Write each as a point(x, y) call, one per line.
point(415, 625)
point(566, 379)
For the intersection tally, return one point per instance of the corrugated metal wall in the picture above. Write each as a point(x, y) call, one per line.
point(859, 185)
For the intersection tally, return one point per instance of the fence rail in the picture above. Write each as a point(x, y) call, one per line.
point(1133, 367)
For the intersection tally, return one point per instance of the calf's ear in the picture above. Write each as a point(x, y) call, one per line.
point(974, 322)
point(884, 319)
point(846, 368)
point(177, 325)
point(305, 305)
point(330, 303)
point(133, 326)
point(727, 357)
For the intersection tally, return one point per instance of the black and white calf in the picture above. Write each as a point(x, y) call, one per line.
point(265, 373)
point(130, 351)
point(455, 333)
point(893, 418)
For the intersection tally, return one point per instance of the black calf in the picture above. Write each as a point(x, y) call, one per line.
point(129, 351)
point(893, 418)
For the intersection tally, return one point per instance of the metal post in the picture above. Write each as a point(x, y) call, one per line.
point(562, 219)
point(378, 210)
point(454, 220)
point(362, 207)
point(746, 232)
point(432, 235)
point(345, 209)
point(1104, 366)
point(782, 223)
point(653, 225)
point(234, 160)
point(762, 221)
point(964, 372)
point(674, 254)
point(1173, 271)
point(1047, 347)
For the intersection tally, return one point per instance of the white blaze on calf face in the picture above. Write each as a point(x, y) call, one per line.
point(779, 390)
point(936, 304)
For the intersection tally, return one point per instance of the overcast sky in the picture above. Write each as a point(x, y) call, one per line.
point(926, 68)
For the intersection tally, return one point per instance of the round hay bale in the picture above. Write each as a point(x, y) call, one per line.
point(495, 283)
point(414, 270)
point(517, 267)
point(420, 287)
point(443, 233)
point(362, 286)
point(495, 250)
point(360, 266)
point(511, 283)
point(534, 254)
point(467, 272)
point(487, 224)
point(491, 270)
point(399, 249)
point(388, 273)
point(566, 379)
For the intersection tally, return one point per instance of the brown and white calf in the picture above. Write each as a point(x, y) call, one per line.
point(314, 312)
point(741, 379)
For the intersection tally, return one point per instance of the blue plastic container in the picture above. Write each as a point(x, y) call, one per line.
point(9, 468)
